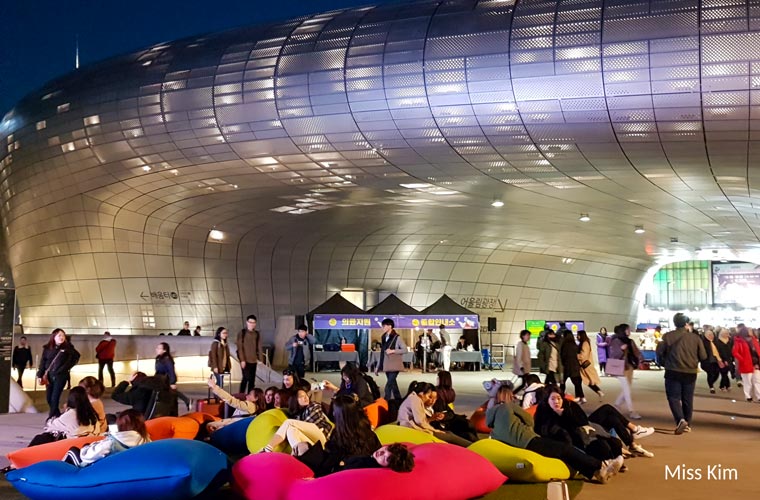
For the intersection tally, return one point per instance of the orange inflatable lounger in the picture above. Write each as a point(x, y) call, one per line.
point(48, 451)
point(377, 412)
point(172, 427)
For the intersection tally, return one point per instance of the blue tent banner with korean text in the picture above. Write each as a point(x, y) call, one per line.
point(361, 321)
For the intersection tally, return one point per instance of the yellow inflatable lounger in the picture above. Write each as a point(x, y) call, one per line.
point(263, 428)
point(392, 433)
point(520, 465)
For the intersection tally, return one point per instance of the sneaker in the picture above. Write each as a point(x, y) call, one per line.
point(642, 432)
point(681, 427)
point(640, 451)
point(600, 394)
point(582, 401)
point(712, 390)
point(687, 429)
point(739, 384)
point(603, 475)
point(623, 469)
point(749, 400)
point(634, 416)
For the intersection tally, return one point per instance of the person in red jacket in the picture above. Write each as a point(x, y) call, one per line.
point(105, 352)
point(746, 352)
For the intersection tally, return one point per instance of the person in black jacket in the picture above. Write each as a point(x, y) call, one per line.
point(22, 357)
point(352, 383)
point(165, 367)
point(58, 358)
point(568, 353)
point(151, 396)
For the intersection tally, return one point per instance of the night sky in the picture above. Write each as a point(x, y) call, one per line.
point(39, 35)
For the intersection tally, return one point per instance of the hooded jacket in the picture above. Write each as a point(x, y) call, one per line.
point(112, 444)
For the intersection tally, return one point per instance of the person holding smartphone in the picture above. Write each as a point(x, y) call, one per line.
point(298, 350)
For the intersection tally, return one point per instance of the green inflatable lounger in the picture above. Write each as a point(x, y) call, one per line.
point(522, 466)
point(392, 433)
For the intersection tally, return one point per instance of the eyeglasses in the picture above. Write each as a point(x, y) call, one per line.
point(288, 372)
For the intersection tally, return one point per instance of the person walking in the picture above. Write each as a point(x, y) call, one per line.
point(392, 359)
point(219, 355)
point(549, 360)
point(58, 358)
point(725, 345)
point(681, 352)
point(165, 368)
point(22, 357)
point(602, 349)
point(711, 365)
point(248, 351)
point(105, 352)
point(521, 361)
point(745, 352)
point(589, 375)
point(298, 350)
point(571, 367)
point(623, 349)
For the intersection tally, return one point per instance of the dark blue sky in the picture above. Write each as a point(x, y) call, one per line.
point(39, 35)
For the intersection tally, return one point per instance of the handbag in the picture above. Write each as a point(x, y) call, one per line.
point(615, 367)
point(44, 380)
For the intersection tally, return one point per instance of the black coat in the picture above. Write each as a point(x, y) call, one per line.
point(361, 389)
point(146, 394)
point(568, 353)
point(22, 357)
point(58, 366)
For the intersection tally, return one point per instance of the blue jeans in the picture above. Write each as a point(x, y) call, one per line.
point(53, 392)
point(679, 389)
point(391, 386)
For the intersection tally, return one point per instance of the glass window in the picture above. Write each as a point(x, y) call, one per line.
point(41, 125)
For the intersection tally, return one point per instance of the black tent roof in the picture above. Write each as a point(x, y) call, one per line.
point(337, 304)
point(393, 306)
point(446, 306)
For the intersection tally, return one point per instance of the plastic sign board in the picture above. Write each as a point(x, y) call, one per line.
point(535, 326)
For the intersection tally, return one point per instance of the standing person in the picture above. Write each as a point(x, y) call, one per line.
point(248, 349)
point(586, 360)
point(105, 351)
point(745, 353)
point(680, 352)
point(298, 347)
point(521, 362)
point(571, 367)
point(165, 367)
point(621, 347)
point(549, 361)
point(219, 355)
point(185, 332)
point(22, 357)
point(711, 365)
point(602, 349)
point(392, 359)
point(197, 332)
point(725, 346)
point(58, 358)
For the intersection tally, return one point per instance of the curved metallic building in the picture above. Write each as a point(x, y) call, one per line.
point(362, 149)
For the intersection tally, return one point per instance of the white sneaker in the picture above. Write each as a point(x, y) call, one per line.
point(638, 450)
point(616, 464)
point(602, 476)
point(642, 432)
point(582, 401)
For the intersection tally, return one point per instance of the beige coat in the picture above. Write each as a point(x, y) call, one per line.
point(521, 360)
point(589, 374)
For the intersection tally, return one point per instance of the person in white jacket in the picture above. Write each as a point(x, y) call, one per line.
point(131, 432)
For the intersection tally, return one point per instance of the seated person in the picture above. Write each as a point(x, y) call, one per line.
point(442, 403)
point(253, 404)
point(564, 421)
point(95, 390)
point(282, 399)
point(352, 382)
point(78, 420)
point(533, 391)
point(269, 397)
point(514, 426)
point(351, 437)
point(131, 432)
point(151, 396)
point(291, 382)
point(308, 425)
point(411, 414)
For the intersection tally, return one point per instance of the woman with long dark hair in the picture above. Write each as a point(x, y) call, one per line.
point(586, 359)
point(58, 358)
point(352, 383)
point(306, 426)
point(165, 367)
point(412, 414)
point(443, 405)
point(622, 348)
point(78, 420)
point(219, 355)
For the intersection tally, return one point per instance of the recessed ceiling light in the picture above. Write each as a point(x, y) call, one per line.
point(639, 230)
point(415, 185)
point(584, 218)
point(497, 203)
point(146, 168)
point(215, 234)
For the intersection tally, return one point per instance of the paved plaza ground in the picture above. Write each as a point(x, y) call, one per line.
point(725, 432)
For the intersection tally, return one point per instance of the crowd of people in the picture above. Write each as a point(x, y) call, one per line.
point(334, 434)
